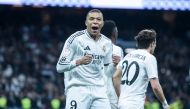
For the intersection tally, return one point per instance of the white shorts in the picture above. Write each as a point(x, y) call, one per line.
point(87, 97)
point(113, 100)
point(129, 105)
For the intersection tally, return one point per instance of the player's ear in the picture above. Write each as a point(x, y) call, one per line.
point(151, 44)
point(103, 24)
point(85, 23)
point(154, 43)
point(115, 34)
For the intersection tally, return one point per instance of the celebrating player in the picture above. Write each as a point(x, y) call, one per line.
point(85, 55)
point(135, 71)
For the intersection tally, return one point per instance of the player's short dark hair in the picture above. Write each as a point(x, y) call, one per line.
point(145, 37)
point(108, 28)
point(94, 10)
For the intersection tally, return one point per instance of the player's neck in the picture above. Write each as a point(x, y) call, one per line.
point(95, 38)
point(113, 40)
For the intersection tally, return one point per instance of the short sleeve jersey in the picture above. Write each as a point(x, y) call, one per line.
point(138, 67)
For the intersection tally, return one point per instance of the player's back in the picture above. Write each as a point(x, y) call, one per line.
point(135, 78)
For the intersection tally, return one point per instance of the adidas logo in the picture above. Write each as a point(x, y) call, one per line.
point(87, 48)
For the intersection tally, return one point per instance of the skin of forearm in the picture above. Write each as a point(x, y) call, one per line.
point(116, 82)
point(159, 93)
point(78, 62)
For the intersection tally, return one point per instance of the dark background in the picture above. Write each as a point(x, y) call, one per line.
point(31, 40)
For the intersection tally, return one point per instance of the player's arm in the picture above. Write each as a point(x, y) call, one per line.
point(67, 77)
point(117, 74)
point(109, 70)
point(151, 66)
point(66, 62)
point(112, 60)
point(157, 89)
point(117, 80)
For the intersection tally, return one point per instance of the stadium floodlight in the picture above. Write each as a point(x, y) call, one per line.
point(10, 2)
point(122, 4)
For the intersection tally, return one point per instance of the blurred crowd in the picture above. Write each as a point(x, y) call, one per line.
point(31, 41)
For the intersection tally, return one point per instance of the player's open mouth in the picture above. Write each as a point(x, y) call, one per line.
point(94, 28)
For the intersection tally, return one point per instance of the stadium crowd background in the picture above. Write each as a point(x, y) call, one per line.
point(31, 40)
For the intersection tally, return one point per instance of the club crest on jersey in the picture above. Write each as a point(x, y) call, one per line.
point(66, 52)
point(104, 48)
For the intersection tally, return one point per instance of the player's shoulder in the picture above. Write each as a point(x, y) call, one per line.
point(146, 54)
point(117, 47)
point(151, 57)
point(105, 38)
point(75, 35)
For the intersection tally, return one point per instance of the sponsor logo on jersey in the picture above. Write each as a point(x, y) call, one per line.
point(94, 56)
point(96, 59)
point(87, 48)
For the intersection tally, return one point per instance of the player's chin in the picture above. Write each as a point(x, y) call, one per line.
point(94, 34)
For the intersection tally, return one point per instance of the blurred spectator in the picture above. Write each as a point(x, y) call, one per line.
point(32, 39)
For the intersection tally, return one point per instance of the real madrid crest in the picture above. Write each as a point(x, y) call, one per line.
point(104, 48)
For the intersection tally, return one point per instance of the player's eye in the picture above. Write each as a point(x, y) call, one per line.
point(91, 18)
point(99, 19)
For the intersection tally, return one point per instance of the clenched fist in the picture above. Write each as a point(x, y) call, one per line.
point(84, 60)
point(115, 59)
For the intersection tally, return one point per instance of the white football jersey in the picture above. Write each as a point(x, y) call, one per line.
point(78, 45)
point(109, 83)
point(138, 67)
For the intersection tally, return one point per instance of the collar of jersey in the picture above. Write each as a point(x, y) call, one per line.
point(143, 50)
point(91, 37)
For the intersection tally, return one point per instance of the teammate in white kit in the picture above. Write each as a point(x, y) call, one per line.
point(110, 30)
point(135, 71)
point(85, 55)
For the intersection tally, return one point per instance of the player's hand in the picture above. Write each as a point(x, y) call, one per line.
point(115, 59)
point(86, 59)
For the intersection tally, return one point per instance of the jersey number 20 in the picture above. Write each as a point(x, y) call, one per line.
point(126, 68)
